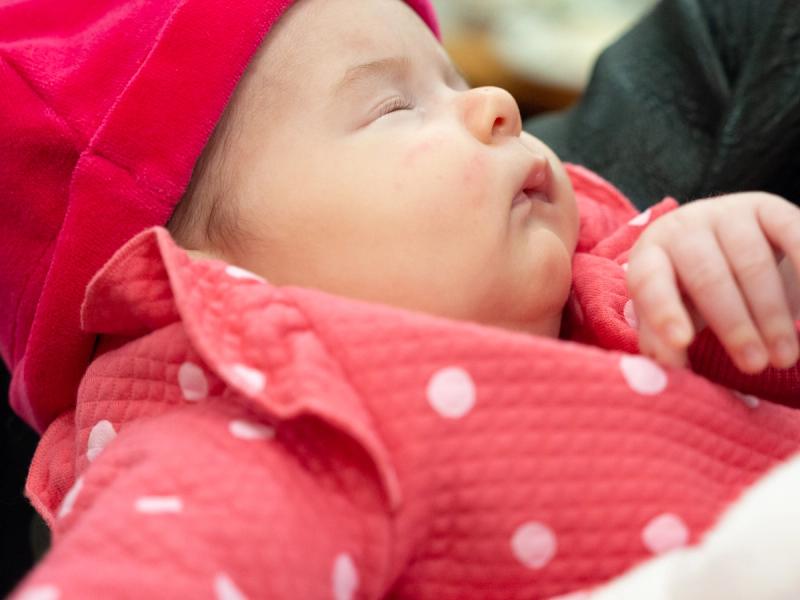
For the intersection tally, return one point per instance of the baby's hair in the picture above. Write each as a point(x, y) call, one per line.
point(206, 216)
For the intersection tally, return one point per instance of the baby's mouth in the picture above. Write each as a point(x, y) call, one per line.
point(529, 196)
point(537, 184)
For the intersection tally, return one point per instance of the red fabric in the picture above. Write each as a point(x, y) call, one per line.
point(105, 109)
point(237, 440)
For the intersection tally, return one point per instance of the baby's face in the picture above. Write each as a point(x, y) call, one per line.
point(367, 168)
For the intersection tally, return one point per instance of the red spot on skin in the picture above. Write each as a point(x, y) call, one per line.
point(418, 151)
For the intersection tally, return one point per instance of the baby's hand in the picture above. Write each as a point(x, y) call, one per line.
point(731, 262)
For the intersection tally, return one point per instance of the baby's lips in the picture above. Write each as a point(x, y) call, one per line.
point(538, 179)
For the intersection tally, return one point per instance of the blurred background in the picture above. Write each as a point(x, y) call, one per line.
point(542, 51)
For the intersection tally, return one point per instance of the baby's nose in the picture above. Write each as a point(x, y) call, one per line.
point(491, 113)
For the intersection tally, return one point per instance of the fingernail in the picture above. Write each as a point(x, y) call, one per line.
point(785, 350)
point(754, 357)
point(678, 334)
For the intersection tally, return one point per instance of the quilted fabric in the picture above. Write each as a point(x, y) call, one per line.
point(237, 440)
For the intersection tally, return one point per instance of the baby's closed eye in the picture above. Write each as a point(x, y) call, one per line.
point(395, 104)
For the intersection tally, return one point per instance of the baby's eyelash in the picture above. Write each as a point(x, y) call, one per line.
point(395, 104)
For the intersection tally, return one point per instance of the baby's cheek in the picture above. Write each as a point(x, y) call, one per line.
point(414, 161)
point(446, 171)
point(421, 152)
point(470, 186)
point(474, 178)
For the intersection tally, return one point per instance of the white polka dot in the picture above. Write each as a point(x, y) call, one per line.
point(70, 497)
point(344, 578)
point(252, 380)
point(749, 400)
point(642, 219)
point(225, 589)
point(534, 544)
point(193, 382)
point(40, 592)
point(665, 532)
point(100, 436)
point(247, 430)
point(155, 505)
point(630, 315)
point(643, 375)
point(239, 273)
point(451, 392)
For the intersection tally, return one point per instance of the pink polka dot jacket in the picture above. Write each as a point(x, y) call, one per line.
point(235, 440)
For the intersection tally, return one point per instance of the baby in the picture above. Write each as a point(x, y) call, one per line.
point(379, 174)
point(249, 427)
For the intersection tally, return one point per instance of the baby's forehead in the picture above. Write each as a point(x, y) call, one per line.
point(319, 41)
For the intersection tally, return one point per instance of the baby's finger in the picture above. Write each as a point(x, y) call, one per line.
point(653, 345)
point(707, 279)
point(753, 264)
point(651, 283)
point(791, 283)
point(780, 221)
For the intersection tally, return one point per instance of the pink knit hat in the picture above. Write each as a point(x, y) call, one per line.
point(105, 106)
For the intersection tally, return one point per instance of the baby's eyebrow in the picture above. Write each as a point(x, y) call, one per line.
point(390, 67)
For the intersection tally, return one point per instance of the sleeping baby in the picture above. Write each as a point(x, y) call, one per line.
point(388, 345)
point(379, 174)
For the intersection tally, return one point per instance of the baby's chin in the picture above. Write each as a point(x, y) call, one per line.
point(549, 293)
point(535, 314)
